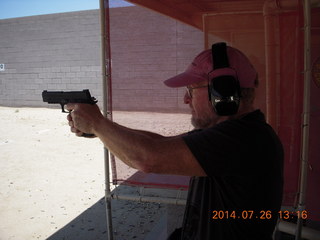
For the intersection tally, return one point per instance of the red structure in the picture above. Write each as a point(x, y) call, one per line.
point(281, 38)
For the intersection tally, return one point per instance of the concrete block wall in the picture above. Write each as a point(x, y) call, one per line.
point(55, 52)
point(62, 52)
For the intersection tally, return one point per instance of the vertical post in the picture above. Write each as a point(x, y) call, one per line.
point(306, 114)
point(107, 101)
point(271, 12)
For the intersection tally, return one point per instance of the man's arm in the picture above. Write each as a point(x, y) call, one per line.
point(142, 150)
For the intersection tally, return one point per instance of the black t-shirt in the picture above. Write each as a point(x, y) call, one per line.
point(242, 193)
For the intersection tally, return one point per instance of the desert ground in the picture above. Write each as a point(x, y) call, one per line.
point(52, 183)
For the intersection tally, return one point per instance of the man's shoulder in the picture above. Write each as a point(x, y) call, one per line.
point(256, 115)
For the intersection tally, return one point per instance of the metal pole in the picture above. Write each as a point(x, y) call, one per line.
point(107, 103)
point(172, 201)
point(306, 115)
point(108, 196)
point(306, 233)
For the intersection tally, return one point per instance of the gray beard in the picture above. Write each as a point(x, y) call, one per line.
point(201, 123)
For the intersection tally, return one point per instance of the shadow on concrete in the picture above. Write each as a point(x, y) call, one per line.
point(130, 219)
point(89, 225)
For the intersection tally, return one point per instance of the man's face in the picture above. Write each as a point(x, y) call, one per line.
point(203, 115)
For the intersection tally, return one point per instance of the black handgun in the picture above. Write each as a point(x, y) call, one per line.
point(63, 98)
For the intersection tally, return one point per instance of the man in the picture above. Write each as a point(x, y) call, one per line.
point(234, 156)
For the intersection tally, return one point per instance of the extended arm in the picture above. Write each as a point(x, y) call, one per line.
point(142, 150)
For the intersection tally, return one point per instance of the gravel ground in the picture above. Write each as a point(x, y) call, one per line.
point(52, 183)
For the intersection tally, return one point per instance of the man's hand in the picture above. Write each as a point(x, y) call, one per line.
point(83, 117)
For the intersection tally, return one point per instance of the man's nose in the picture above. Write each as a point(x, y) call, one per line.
point(186, 98)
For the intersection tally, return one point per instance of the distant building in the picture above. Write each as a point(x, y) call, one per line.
point(62, 52)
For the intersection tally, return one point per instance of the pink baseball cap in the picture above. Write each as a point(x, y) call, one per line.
point(201, 67)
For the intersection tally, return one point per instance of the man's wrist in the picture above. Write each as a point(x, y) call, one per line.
point(99, 125)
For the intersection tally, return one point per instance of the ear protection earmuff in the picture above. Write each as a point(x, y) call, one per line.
point(224, 87)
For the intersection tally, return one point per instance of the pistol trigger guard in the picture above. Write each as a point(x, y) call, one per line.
point(62, 103)
point(93, 100)
point(62, 108)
